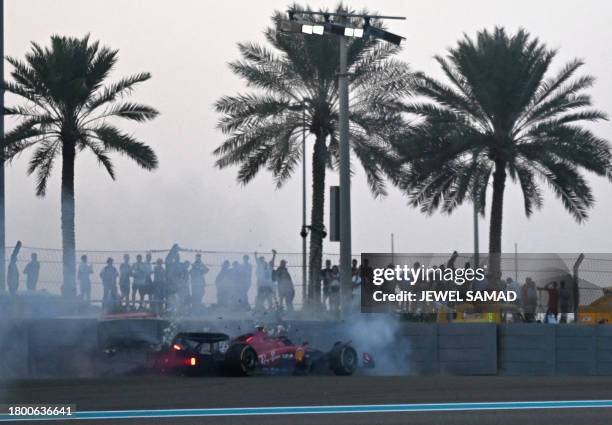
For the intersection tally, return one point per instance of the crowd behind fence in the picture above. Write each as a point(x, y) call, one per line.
point(51, 271)
point(595, 272)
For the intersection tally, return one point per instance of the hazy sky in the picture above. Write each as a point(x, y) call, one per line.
point(186, 46)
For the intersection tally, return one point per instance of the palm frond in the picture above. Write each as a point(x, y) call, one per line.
point(532, 196)
point(42, 163)
point(126, 110)
point(116, 141)
point(569, 186)
point(116, 91)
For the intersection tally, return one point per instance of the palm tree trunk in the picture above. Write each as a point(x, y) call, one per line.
point(319, 158)
point(68, 237)
point(495, 229)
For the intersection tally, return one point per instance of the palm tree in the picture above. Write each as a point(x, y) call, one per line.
point(68, 109)
point(263, 127)
point(500, 117)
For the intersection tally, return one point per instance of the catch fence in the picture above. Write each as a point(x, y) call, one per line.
point(51, 273)
point(595, 271)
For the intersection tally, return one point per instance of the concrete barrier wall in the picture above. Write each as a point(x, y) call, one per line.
point(603, 336)
point(39, 304)
point(14, 349)
point(48, 347)
point(526, 349)
point(71, 347)
point(62, 347)
point(422, 352)
point(540, 349)
point(467, 349)
point(576, 350)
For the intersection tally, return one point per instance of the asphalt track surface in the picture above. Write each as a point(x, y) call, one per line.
point(153, 393)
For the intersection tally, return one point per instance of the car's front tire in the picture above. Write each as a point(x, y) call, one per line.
point(344, 361)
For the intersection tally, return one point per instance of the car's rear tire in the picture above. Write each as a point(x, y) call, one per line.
point(344, 361)
point(241, 360)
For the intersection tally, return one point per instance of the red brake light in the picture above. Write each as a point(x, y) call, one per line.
point(249, 339)
point(177, 347)
point(192, 361)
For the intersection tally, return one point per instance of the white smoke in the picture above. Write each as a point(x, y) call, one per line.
point(379, 335)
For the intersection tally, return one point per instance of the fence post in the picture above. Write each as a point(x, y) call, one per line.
point(576, 289)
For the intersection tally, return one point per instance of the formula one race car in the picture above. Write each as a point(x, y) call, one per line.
point(216, 353)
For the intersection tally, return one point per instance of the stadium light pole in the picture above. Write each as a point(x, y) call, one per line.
point(304, 232)
point(345, 180)
point(343, 32)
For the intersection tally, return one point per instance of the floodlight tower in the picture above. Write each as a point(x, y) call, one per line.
point(343, 31)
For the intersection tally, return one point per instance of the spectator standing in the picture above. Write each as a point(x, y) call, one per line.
point(222, 281)
point(246, 272)
point(326, 276)
point(366, 272)
point(354, 269)
point(139, 272)
point(198, 273)
point(334, 290)
point(286, 291)
point(12, 278)
point(159, 285)
point(513, 286)
point(529, 299)
point(125, 274)
point(149, 278)
point(265, 285)
point(480, 285)
point(173, 272)
point(355, 284)
point(235, 286)
point(173, 277)
point(109, 276)
point(32, 271)
point(553, 302)
point(84, 273)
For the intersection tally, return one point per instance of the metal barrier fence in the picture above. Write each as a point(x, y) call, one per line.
point(51, 273)
point(594, 275)
point(593, 271)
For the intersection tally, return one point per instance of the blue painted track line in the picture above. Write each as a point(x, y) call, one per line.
point(311, 410)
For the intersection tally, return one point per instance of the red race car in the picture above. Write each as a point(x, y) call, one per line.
point(216, 353)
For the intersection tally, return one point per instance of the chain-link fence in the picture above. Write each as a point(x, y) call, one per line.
point(595, 271)
point(51, 274)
